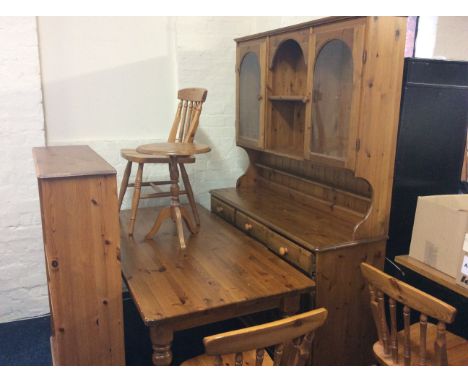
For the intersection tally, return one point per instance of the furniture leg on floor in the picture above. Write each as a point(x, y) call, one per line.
point(188, 189)
point(136, 198)
point(124, 184)
point(175, 210)
point(161, 340)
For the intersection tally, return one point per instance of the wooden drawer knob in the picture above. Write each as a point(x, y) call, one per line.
point(219, 209)
point(283, 251)
point(247, 226)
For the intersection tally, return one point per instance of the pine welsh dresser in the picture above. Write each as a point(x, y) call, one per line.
point(317, 113)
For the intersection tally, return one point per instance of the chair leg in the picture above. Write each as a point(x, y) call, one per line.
point(188, 188)
point(136, 198)
point(124, 184)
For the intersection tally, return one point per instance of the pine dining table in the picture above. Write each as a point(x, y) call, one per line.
point(222, 274)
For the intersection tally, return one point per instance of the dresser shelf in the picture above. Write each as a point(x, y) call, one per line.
point(289, 98)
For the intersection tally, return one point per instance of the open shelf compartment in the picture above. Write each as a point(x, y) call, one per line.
point(287, 100)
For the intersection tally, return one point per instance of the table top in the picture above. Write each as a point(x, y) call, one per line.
point(69, 161)
point(173, 149)
point(221, 268)
point(431, 273)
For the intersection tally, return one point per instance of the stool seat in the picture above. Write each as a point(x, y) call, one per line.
point(136, 157)
point(178, 149)
point(228, 360)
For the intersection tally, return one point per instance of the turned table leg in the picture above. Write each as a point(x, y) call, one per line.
point(161, 340)
point(290, 305)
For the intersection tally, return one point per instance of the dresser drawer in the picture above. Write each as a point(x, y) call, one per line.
point(222, 209)
point(251, 227)
point(291, 252)
point(283, 247)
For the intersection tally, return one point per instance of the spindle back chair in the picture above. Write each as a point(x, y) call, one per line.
point(422, 343)
point(246, 347)
point(187, 117)
point(184, 128)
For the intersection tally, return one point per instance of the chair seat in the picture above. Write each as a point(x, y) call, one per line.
point(134, 156)
point(228, 360)
point(457, 348)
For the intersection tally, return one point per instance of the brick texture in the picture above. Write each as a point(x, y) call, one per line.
point(23, 291)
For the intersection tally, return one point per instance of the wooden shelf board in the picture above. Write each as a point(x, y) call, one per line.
point(286, 152)
point(311, 228)
point(289, 98)
point(431, 273)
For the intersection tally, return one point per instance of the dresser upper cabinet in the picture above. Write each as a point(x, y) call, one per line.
point(250, 70)
point(338, 54)
point(300, 88)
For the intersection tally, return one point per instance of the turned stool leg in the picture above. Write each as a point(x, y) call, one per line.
point(188, 188)
point(175, 201)
point(136, 198)
point(124, 184)
point(176, 212)
point(161, 340)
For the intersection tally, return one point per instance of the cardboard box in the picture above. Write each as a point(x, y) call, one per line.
point(440, 234)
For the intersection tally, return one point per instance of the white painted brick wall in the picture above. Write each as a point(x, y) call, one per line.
point(23, 291)
point(205, 56)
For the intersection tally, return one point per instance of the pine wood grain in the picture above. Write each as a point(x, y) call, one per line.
point(312, 228)
point(249, 344)
point(69, 161)
point(408, 295)
point(176, 149)
point(81, 242)
point(457, 348)
point(221, 268)
point(422, 343)
point(333, 202)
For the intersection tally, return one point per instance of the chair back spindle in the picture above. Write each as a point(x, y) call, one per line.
point(259, 353)
point(381, 285)
point(393, 330)
point(407, 342)
point(187, 116)
point(299, 329)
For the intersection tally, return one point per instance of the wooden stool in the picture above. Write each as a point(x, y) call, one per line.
point(175, 152)
point(183, 129)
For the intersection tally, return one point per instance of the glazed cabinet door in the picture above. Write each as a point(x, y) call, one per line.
point(250, 70)
point(337, 54)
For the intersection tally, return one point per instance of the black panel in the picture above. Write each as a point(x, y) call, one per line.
point(436, 72)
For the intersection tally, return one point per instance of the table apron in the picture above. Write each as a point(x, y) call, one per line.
point(224, 313)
